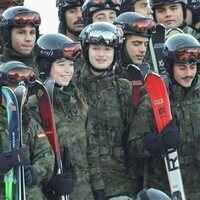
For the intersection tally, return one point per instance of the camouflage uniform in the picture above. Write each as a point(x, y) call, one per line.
point(38, 155)
point(72, 128)
point(111, 110)
point(186, 106)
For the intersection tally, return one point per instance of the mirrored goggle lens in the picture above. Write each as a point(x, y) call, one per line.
point(7, 2)
point(72, 51)
point(98, 35)
point(99, 2)
point(17, 75)
point(26, 18)
point(142, 25)
point(188, 55)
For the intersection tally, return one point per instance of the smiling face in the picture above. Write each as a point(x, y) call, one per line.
point(62, 71)
point(170, 15)
point(23, 39)
point(101, 56)
point(184, 74)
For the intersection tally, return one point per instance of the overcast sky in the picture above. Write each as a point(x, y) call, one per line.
point(48, 12)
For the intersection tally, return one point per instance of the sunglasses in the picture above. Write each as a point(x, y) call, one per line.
point(97, 36)
point(26, 18)
point(7, 2)
point(143, 24)
point(189, 55)
point(19, 74)
point(72, 51)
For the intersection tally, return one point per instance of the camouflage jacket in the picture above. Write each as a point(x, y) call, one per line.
point(186, 106)
point(110, 110)
point(72, 128)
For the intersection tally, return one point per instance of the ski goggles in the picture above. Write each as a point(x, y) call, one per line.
point(8, 2)
point(144, 24)
point(25, 18)
point(109, 38)
point(103, 2)
point(189, 55)
point(20, 74)
point(72, 51)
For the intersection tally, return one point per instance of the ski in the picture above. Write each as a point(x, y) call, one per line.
point(157, 91)
point(48, 124)
point(14, 179)
point(156, 45)
point(137, 79)
point(21, 95)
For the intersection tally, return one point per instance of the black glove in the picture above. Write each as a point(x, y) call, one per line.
point(30, 175)
point(99, 194)
point(169, 137)
point(62, 184)
point(16, 157)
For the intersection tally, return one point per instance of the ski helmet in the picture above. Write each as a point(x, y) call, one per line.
point(91, 6)
point(193, 4)
point(9, 3)
point(13, 72)
point(101, 33)
point(18, 16)
point(181, 48)
point(157, 3)
point(64, 5)
point(152, 194)
point(133, 23)
point(127, 6)
point(53, 46)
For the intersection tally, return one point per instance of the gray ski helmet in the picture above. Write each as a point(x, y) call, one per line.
point(13, 72)
point(152, 194)
point(182, 48)
point(158, 3)
point(53, 46)
point(101, 33)
point(18, 16)
point(133, 23)
point(91, 6)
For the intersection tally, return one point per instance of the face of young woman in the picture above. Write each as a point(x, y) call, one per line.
point(23, 39)
point(62, 71)
point(101, 56)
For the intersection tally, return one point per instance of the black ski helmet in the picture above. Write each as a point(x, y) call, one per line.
point(91, 6)
point(18, 16)
point(133, 23)
point(13, 72)
point(101, 32)
point(178, 46)
point(9, 3)
point(152, 194)
point(155, 4)
point(64, 5)
point(53, 46)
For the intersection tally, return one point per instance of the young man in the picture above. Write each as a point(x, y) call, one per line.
point(105, 11)
point(70, 16)
point(181, 52)
point(136, 39)
point(140, 6)
point(20, 30)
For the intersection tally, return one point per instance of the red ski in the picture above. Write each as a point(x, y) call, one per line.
point(159, 98)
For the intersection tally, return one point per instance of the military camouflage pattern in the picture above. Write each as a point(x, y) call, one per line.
point(110, 110)
point(186, 106)
point(38, 155)
point(72, 129)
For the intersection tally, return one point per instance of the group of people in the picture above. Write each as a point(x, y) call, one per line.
point(109, 147)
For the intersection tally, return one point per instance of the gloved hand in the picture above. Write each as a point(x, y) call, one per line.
point(169, 137)
point(16, 157)
point(99, 194)
point(30, 175)
point(62, 184)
